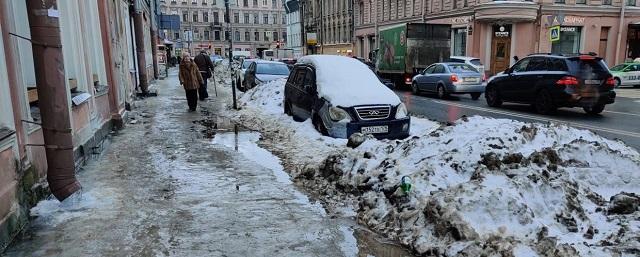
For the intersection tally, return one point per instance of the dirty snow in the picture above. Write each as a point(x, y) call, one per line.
point(346, 82)
point(481, 186)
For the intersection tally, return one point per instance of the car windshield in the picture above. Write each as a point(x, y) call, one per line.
point(245, 64)
point(476, 62)
point(619, 67)
point(272, 68)
point(462, 68)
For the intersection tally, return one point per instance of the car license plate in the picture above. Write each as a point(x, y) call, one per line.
point(375, 129)
point(592, 82)
point(471, 80)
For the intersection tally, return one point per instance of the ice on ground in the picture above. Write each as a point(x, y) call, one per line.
point(347, 82)
point(53, 212)
point(480, 186)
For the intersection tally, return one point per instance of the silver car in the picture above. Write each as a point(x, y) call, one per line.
point(449, 78)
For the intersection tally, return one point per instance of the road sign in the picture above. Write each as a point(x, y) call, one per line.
point(554, 33)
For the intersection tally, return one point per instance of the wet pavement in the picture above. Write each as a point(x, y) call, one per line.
point(175, 183)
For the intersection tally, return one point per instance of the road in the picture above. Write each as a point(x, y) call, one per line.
point(620, 120)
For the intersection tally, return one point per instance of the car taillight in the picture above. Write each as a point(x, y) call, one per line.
point(454, 78)
point(567, 81)
point(587, 57)
point(611, 82)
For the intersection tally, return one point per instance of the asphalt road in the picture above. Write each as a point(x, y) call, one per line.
point(620, 120)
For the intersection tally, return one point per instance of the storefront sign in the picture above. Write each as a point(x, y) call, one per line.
point(568, 29)
point(561, 19)
point(460, 20)
point(502, 32)
point(554, 33)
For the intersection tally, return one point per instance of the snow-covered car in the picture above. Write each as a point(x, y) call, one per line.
point(261, 71)
point(240, 71)
point(342, 96)
point(473, 61)
point(626, 74)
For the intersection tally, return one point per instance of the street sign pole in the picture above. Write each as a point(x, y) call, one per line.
point(230, 37)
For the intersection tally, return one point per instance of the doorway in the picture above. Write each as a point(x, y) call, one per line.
point(501, 48)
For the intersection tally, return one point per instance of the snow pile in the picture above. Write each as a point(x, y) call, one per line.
point(480, 186)
point(346, 82)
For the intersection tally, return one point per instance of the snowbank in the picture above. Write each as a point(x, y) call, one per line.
point(347, 82)
point(481, 186)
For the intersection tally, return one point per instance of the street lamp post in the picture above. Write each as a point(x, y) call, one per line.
point(230, 37)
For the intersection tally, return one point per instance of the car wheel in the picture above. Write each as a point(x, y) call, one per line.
point(617, 83)
point(596, 109)
point(414, 88)
point(493, 97)
point(441, 92)
point(475, 96)
point(544, 102)
point(319, 125)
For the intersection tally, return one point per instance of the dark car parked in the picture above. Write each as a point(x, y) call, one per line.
point(342, 96)
point(550, 81)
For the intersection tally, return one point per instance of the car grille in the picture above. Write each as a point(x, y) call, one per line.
point(373, 112)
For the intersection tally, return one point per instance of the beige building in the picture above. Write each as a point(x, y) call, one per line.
point(257, 25)
point(496, 31)
point(330, 22)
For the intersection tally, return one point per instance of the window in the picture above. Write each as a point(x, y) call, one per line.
point(176, 35)
point(606, 2)
point(265, 18)
point(237, 35)
point(216, 35)
point(558, 1)
point(537, 64)
point(631, 2)
point(459, 42)
point(195, 17)
point(273, 3)
point(275, 36)
point(246, 18)
point(439, 69)
point(256, 35)
point(255, 3)
point(570, 41)
point(521, 66)
point(275, 19)
point(236, 18)
point(207, 35)
point(247, 36)
point(264, 2)
point(266, 36)
point(216, 18)
point(245, 3)
point(284, 36)
point(556, 64)
point(205, 16)
point(581, 1)
point(256, 19)
point(429, 69)
point(185, 16)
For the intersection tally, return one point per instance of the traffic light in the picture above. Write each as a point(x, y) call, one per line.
point(278, 44)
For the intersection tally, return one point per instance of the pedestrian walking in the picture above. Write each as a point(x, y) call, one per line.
point(205, 65)
point(190, 79)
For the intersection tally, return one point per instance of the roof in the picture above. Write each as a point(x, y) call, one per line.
point(345, 81)
point(260, 61)
point(464, 57)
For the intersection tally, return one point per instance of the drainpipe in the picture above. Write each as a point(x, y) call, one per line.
point(53, 97)
point(12, 75)
point(620, 32)
point(138, 24)
point(538, 28)
point(103, 12)
point(154, 51)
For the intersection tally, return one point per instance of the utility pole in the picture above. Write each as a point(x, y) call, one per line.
point(233, 81)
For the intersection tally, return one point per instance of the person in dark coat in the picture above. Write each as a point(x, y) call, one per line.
point(190, 79)
point(206, 70)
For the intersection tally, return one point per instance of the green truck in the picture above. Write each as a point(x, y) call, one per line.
point(407, 49)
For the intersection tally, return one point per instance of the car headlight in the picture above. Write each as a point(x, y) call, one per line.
point(401, 111)
point(338, 114)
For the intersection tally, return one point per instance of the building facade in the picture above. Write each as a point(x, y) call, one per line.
point(257, 25)
point(294, 28)
point(496, 31)
point(328, 26)
point(62, 90)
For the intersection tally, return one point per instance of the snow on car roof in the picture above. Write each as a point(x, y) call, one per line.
point(347, 82)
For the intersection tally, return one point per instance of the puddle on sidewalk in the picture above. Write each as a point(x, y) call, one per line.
point(356, 241)
point(213, 125)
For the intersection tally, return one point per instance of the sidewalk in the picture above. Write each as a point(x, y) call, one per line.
point(162, 187)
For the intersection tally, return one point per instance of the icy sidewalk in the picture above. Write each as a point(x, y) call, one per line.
point(164, 188)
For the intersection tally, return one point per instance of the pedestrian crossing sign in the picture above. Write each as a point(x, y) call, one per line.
point(554, 33)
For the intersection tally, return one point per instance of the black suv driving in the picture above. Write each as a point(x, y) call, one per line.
point(550, 81)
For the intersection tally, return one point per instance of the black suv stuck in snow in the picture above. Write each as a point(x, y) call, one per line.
point(550, 81)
